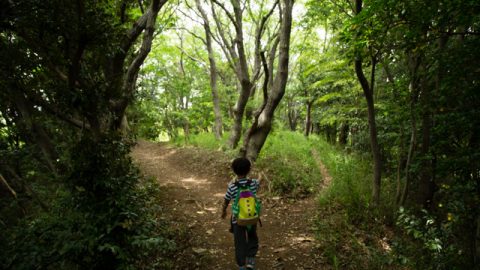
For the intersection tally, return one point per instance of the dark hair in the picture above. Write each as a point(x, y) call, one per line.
point(241, 166)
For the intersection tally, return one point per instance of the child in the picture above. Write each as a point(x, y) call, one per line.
point(245, 238)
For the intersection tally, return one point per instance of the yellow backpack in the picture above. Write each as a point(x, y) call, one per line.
point(246, 207)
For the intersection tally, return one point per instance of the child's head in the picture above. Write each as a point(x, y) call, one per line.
point(241, 166)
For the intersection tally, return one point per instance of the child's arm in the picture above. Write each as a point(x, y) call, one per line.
point(224, 208)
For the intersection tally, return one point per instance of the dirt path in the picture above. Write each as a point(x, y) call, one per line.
point(195, 182)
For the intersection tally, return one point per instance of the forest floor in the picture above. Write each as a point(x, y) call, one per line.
point(194, 182)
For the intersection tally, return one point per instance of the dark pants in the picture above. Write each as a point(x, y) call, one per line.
point(246, 243)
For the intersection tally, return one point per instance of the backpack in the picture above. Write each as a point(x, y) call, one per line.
point(246, 207)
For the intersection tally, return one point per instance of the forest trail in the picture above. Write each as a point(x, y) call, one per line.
point(195, 181)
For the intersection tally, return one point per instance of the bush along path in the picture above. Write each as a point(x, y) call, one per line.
point(194, 182)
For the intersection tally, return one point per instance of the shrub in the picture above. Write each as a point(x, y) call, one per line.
point(102, 219)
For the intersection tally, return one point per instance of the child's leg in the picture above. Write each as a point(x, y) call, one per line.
point(252, 242)
point(240, 239)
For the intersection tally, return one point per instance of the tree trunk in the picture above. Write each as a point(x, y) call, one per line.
point(39, 134)
point(213, 72)
point(238, 61)
point(343, 136)
point(368, 91)
point(292, 116)
point(427, 184)
point(377, 161)
point(145, 24)
point(261, 128)
point(400, 167)
point(238, 110)
point(414, 87)
point(476, 258)
point(308, 119)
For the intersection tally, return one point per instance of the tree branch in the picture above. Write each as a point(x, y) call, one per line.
point(27, 187)
point(226, 47)
point(10, 189)
point(200, 61)
point(229, 15)
point(341, 8)
point(39, 101)
point(258, 36)
point(140, 3)
point(132, 71)
point(138, 27)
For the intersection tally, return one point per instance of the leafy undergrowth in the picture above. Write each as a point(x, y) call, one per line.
point(104, 215)
point(353, 234)
point(287, 160)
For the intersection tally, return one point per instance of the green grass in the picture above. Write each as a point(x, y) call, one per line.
point(351, 173)
point(349, 228)
point(287, 160)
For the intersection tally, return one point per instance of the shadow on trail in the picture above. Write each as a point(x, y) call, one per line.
point(195, 181)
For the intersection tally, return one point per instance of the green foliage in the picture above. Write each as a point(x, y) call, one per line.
point(348, 228)
point(352, 174)
point(432, 238)
point(424, 87)
point(287, 160)
point(104, 218)
point(181, 99)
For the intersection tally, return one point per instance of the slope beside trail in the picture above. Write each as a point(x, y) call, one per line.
point(194, 183)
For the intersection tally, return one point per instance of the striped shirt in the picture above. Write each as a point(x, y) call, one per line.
point(232, 190)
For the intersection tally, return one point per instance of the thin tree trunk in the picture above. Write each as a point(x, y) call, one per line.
point(368, 91)
point(213, 72)
point(414, 87)
point(400, 167)
point(238, 61)
point(343, 137)
point(308, 119)
point(377, 161)
point(292, 116)
point(427, 184)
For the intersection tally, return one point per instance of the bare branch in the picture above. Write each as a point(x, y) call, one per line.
point(229, 15)
point(10, 189)
point(49, 108)
point(190, 17)
point(27, 187)
point(140, 4)
point(258, 36)
point(195, 35)
point(200, 61)
point(224, 44)
point(342, 8)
